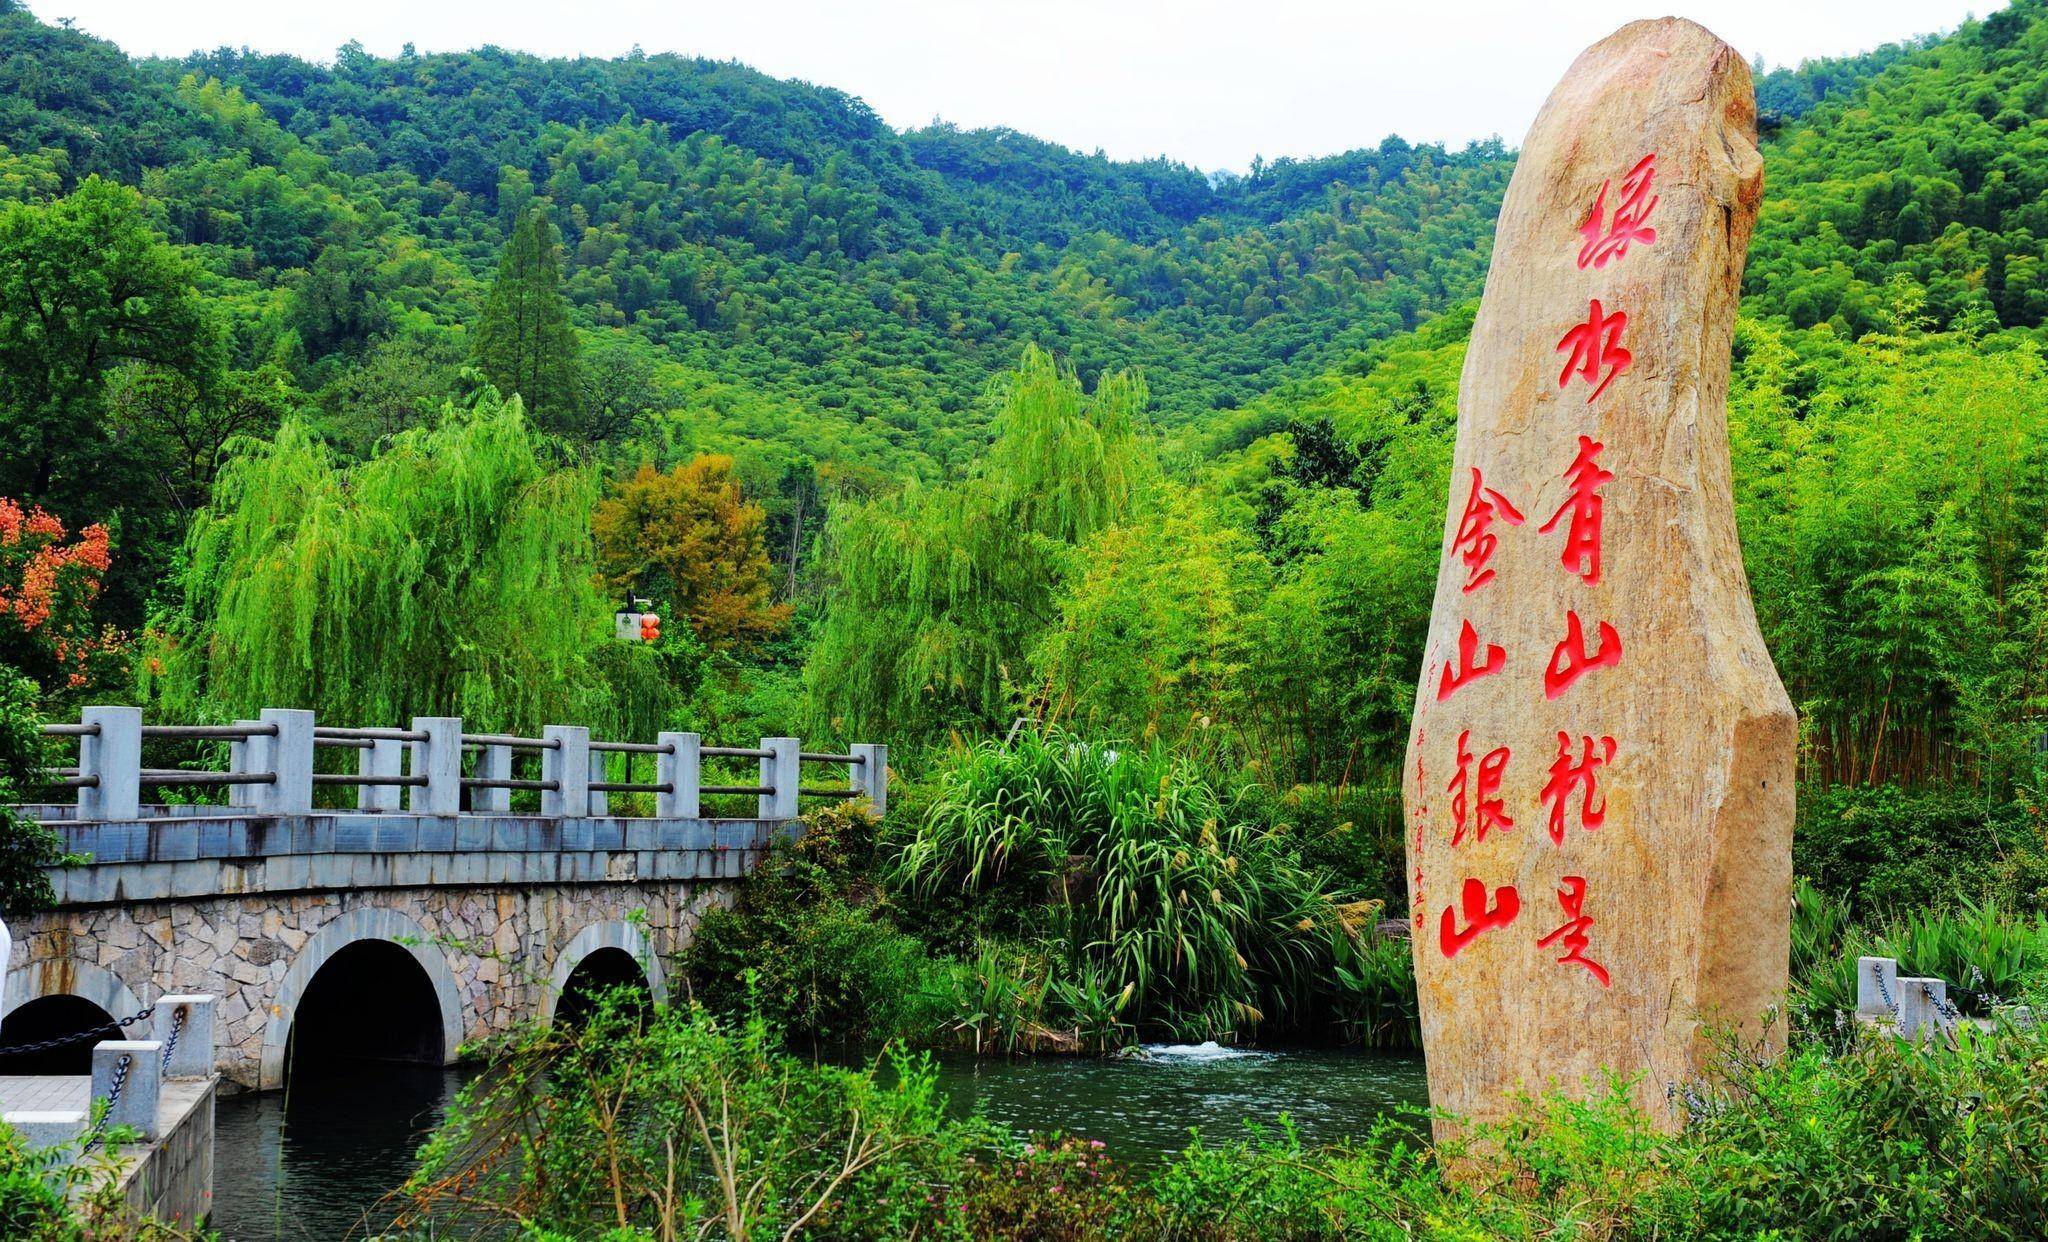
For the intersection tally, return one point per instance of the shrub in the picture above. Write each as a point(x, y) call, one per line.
point(1884, 849)
point(1152, 877)
point(685, 1125)
point(26, 847)
point(807, 946)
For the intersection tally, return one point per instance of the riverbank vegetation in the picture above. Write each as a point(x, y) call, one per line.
point(680, 1124)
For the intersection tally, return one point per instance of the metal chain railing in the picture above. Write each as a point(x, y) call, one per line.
point(1884, 993)
point(95, 1035)
point(177, 1026)
point(1949, 1016)
point(113, 1098)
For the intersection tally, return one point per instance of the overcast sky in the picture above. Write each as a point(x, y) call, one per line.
point(1203, 81)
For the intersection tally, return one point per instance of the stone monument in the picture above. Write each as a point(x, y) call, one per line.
point(1599, 779)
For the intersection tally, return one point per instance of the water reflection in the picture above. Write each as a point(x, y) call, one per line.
point(313, 1163)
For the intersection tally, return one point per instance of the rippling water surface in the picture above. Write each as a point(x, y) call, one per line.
point(315, 1166)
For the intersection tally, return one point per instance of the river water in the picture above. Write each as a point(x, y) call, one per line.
point(316, 1163)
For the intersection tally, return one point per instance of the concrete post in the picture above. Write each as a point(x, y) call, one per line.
point(247, 757)
point(114, 755)
point(184, 1024)
point(439, 759)
point(493, 763)
point(42, 1130)
point(383, 757)
point(600, 802)
point(681, 768)
point(779, 772)
point(138, 1063)
point(1876, 979)
point(291, 759)
point(568, 765)
point(1920, 1001)
point(871, 774)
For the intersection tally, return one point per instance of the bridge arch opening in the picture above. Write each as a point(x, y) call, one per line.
point(371, 1001)
point(601, 972)
point(56, 1016)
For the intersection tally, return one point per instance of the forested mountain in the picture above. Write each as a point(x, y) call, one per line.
point(798, 313)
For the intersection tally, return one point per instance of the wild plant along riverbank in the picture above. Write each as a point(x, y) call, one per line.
point(680, 1124)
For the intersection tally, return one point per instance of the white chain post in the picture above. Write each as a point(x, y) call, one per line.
point(1877, 988)
point(136, 1065)
point(184, 1026)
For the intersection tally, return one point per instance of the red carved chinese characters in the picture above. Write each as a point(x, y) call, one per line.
point(1474, 535)
point(1466, 667)
point(1570, 661)
point(1566, 775)
point(1597, 354)
point(1582, 537)
point(1486, 808)
point(1606, 238)
point(1479, 915)
point(1572, 899)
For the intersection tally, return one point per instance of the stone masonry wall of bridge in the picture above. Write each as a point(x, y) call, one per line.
point(494, 954)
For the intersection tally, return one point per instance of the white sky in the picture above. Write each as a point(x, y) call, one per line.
point(1208, 82)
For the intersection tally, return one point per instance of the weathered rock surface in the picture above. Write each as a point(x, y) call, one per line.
point(1599, 780)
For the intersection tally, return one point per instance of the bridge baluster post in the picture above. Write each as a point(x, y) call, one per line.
point(779, 773)
point(114, 755)
point(138, 1065)
point(290, 752)
point(681, 768)
point(382, 758)
point(248, 756)
point(871, 774)
point(439, 759)
point(493, 763)
point(567, 764)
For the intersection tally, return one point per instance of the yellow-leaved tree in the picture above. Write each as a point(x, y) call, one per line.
point(688, 538)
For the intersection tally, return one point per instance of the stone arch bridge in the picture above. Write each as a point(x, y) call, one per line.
point(471, 881)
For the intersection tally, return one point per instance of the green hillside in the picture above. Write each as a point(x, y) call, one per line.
point(763, 269)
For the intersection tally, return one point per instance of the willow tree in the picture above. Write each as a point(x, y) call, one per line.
point(939, 592)
point(450, 574)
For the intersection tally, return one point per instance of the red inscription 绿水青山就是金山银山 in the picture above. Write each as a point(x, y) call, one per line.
point(1596, 352)
point(1482, 914)
point(1467, 667)
point(1581, 774)
point(1570, 661)
point(1571, 897)
point(1484, 809)
point(1585, 476)
point(1605, 237)
point(1474, 541)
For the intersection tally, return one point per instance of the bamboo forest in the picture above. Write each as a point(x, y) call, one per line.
point(1110, 497)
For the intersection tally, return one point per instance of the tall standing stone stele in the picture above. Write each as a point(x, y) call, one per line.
point(1599, 780)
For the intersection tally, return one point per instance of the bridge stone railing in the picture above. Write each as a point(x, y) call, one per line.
point(433, 768)
point(427, 805)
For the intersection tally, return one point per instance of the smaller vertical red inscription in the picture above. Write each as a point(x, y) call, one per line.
point(1603, 237)
point(1586, 477)
point(1597, 355)
point(1466, 667)
point(1571, 897)
point(1486, 808)
point(1570, 661)
point(1475, 542)
point(1481, 915)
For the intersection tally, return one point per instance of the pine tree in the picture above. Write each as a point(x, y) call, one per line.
point(524, 343)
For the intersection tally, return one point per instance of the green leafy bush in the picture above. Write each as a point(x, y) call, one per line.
point(1151, 877)
point(1887, 850)
point(26, 847)
point(807, 945)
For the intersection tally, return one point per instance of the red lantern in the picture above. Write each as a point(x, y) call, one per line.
point(650, 628)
